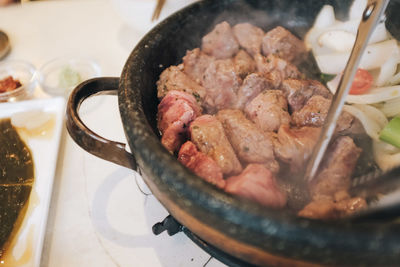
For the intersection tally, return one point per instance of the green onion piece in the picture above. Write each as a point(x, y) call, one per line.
point(391, 133)
point(324, 77)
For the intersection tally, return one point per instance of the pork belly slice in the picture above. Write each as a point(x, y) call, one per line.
point(244, 64)
point(336, 168)
point(268, 110)
point(195, 63)
point(207, 133)
point(220, 42)
point(315, 111)
point(175, 112)
point(281, 42)
point(276, 69)
point(249, 37)
point(257, 183)
point(298, 92)
point(222, 83)
point(174, 79)
point(252, 86)
point(327, 208)
point(295, 145)
point(250, 143)
point(201, 164)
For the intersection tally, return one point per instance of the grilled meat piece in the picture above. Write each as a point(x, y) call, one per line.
point(315, 111)
point(295, 145)
point(268, 110)
point(220, 42)
point(244, 64)
point(327, 208)
point(207, 133)
point(252, 86)
point(175, 112)
point(174, 79)
point(222, 83)
point(201, 164)
point(249, 37)
point(250, 143)
point(284, 44)
point(257, 183)
point(336, 168)
point(298, 92)
point(276, 69)
point(195, 63)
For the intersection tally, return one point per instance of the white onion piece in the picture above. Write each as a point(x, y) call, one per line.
point(383, 158)
point(325, 18)
point(337, 40)
point(311, 38)
point(373, 113)
point(357, 9)
point(380, 34)
point(395, 79)
point(375, 95)
point(391, 107)
point(374, 56)
point(371, 127)
point(387, 71)
point(334, 83)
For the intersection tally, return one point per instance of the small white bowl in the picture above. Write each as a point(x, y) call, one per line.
point(22, 71)
point(60, 76)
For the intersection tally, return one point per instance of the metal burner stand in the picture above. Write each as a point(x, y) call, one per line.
point(173, 227)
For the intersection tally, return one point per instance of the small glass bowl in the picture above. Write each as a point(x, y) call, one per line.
point(22, 71)
point(60, 76)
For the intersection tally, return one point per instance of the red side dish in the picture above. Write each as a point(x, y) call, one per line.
point(9, 84)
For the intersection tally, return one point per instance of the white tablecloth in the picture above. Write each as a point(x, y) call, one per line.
point(98, 216)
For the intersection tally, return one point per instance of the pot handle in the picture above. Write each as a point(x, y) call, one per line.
point(83, 136)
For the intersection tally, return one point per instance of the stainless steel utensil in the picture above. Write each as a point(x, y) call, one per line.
point(157, 10)
point(370, 18)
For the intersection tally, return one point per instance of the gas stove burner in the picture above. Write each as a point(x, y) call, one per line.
point(173, 227)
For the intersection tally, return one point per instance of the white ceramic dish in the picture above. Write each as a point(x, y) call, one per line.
point(26, 246)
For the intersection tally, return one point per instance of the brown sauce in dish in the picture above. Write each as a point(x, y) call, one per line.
point(16, 180)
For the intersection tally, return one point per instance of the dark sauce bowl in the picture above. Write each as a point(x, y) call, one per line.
point(246, 230)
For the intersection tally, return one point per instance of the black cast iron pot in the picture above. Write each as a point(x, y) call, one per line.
point(252, 233)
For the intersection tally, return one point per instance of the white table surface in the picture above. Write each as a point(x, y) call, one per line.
point(98, 216)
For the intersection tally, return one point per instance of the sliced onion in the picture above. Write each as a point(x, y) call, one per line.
point(337, 40)
point(357, 9)
point(375, 114)
point(383, 158)
point(395, 79)
point(375, 95)
point(325, 18)
point(380, 34)
point(374, 57)
point(387, 71)
point(391, 107)
point(371, 127)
